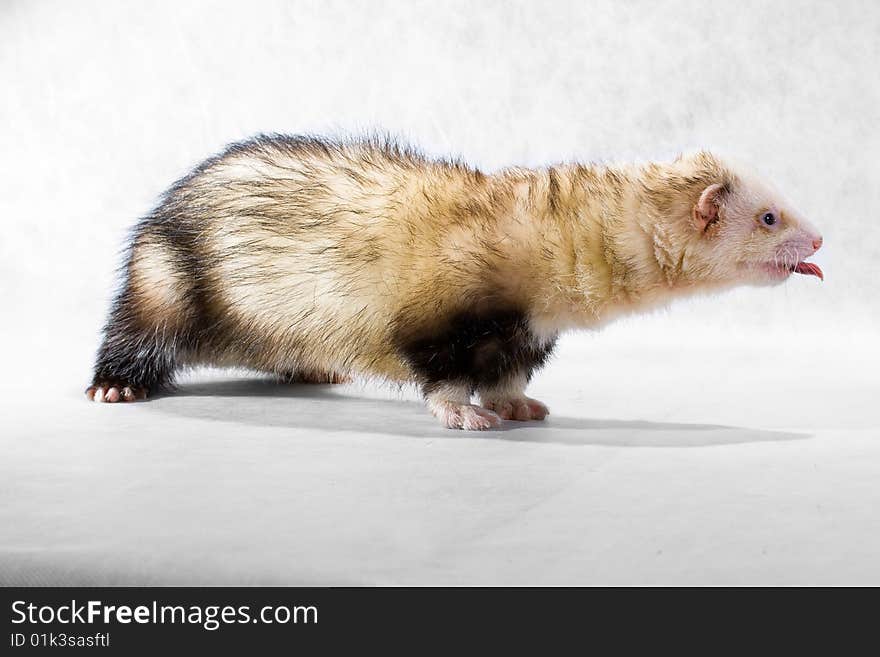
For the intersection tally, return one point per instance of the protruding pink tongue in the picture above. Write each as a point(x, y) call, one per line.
point(810, 269)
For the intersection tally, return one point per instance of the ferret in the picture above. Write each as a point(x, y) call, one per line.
point(318, 260)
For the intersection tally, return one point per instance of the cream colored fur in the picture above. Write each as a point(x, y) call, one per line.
point(323, 251)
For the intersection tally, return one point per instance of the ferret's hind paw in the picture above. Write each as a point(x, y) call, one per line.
point(115, 392)
point(522, 409)
point(455, 415)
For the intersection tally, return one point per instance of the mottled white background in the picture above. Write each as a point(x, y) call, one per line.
point(103, 104)
point(106, 103)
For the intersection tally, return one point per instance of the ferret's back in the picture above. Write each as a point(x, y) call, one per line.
point(294, 242)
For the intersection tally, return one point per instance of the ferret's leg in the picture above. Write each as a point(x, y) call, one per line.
point(136, 357)
point(508, 400)
point(493, 353)
point(130, 366)
point(450, 403)
point(158, 319)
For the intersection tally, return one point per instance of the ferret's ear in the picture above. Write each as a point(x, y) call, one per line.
point(705, 210)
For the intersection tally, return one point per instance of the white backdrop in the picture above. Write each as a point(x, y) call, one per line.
point(104, 104)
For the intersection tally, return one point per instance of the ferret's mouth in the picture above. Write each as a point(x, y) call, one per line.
point(779, 271)
point(809, 269)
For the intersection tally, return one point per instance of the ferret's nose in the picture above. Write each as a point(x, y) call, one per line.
point(817, 243)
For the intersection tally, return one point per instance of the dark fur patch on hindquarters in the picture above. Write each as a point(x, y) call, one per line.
point(479, 349)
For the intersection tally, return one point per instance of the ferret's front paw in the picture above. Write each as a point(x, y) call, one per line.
point(518, 408)
point(115, 392)
point(455, 415)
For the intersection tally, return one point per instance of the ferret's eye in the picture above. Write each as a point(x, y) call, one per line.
point(769, 219)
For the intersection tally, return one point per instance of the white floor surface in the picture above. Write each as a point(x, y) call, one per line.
point(660, 464)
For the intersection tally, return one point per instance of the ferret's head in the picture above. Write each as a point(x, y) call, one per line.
point(741, 231)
